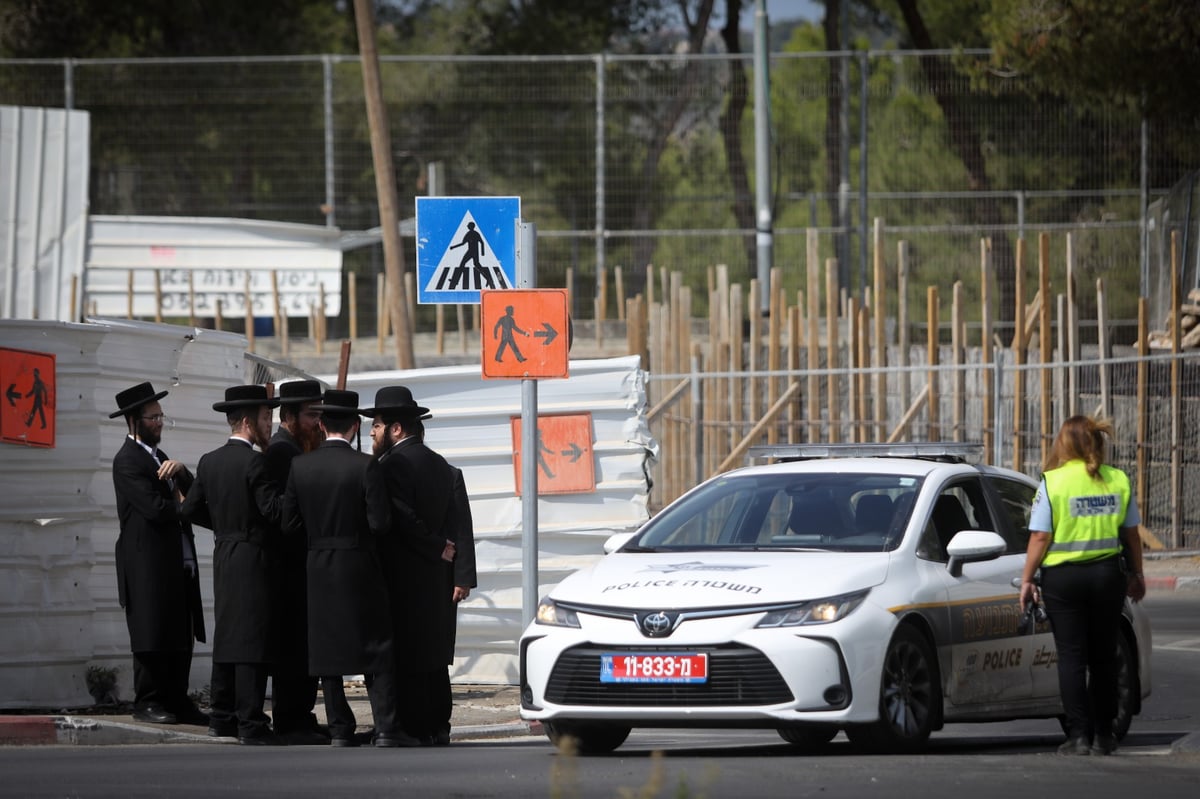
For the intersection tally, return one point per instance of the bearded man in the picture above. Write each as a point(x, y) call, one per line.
point(293, 690)
point(158, 583)
point(234, 496)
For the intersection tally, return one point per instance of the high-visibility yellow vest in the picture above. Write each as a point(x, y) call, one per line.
point(1087, 512)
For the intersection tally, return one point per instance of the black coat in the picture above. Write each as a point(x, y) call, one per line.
point(235, 497)
point(152, 586)
point(461, 529)
point(292, 623)
point(419, 482)
point(341, 511)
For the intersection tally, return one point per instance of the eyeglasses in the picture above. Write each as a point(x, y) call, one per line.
point(157, 418)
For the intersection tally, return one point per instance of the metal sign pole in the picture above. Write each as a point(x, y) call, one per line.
point(526, 238)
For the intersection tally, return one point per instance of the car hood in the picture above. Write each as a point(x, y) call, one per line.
point(705, 579)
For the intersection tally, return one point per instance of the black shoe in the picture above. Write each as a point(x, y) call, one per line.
point(192, 715)
point(222, 729)
point(304, 738)
point(396, 739)
point(1104, 745)
point(441, 737)
point(155, 714)
point(1075, 745)
point(343, 742)
point(260, 739)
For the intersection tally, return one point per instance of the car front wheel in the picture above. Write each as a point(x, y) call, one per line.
point(585, 738)
point(808, 736)
point(908, 697)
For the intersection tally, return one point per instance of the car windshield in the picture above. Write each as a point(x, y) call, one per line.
point(839, 512)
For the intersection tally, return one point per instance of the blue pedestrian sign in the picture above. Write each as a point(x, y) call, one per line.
point(465, 245)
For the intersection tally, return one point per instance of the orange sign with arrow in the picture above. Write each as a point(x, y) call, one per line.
point(564, 454)
point(525, 333)
point(28, 401)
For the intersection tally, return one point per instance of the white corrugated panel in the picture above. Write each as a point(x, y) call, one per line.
point(58, 528)
point(471, 428)
point(43, 210)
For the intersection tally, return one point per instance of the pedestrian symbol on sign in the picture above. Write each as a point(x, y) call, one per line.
point(476, 268)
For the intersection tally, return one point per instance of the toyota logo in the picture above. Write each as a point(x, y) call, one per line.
point(657, 624)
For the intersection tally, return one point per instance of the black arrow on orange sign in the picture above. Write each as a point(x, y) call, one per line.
point(549, 333)
point(574, 452)
point(12, 395)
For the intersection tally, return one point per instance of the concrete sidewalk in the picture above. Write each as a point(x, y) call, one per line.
point(479, 712)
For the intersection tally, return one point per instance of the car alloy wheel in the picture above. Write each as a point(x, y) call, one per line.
point(908, 697)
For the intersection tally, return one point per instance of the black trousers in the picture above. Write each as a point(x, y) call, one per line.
point(238, 691)
point(381, 690)
point(293, 695)
point(161, 678)
point(425, 701)
point(1084, 602)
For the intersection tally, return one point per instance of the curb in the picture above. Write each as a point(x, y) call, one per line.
point(81, 731)
point(1189, 743)
point(1173, 583)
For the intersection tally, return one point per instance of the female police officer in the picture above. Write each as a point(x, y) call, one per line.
point(1083, 512)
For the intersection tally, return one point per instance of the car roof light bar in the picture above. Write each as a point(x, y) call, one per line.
point(948, 451)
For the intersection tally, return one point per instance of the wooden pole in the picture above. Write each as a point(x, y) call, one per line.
point(795, 342)
point(249, 303)
point(957, 348)
point(813, 264)
point(774, 345)
point(1073, 349)
point(619, 290)
point(75, 314)
point(276, 305)
point(385, 182)
point(879, 309)
point(217, 321)
point(864, 389)
point(461, 319)
point(1176, 401)
point(381, 313)
point(754, 365)
point(985, 341)
point(853, 364)
point(158, 296)
point(129, 295)
point(768, 418)
point(832, 348)
point(902, 332)
point(352, 290)
point(1143, 389)
point(737, 340)
point(439, 327)
point(282, 330)
point(1046, 342)
point(1105, 352)
point(320, 318)
point(933, 359)
point(343, 365)
point(191, 298)
point(1018, 345)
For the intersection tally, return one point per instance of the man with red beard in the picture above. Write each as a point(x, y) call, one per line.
point(235, 497)
point(158, 584)
point(293, 690)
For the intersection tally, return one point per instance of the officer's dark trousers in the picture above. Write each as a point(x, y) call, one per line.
point(1084, 602)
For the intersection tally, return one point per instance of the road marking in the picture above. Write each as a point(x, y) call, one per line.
point(1182, 645)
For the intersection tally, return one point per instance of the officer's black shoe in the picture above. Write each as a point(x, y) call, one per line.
point(155, 714)
point(1104, 744)
point(396, 739)
point(260, 739)
point(1075, 745)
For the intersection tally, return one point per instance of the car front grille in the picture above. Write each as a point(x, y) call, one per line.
point(737, 675)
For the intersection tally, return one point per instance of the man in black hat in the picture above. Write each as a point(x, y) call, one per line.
point(293, 690)
point(157, 579)
point(417, 558)
point(334, 497)
point(234, 496)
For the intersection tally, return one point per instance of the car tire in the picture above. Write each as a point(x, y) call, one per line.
point(585, 738)
point(808, 736)
point(1129, 689)
point(909, 697)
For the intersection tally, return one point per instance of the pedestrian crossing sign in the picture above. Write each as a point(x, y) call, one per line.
point(465, 245)
point(27, 380)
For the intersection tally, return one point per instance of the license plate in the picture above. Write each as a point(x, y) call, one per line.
point(654, 667)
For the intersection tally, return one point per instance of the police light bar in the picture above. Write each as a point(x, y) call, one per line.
point(950, 451)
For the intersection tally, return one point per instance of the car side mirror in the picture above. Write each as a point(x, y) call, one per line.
point(973, 546)
point(616, 541)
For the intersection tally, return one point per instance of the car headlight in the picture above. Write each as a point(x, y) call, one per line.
point(554, 614)
point(818, 611)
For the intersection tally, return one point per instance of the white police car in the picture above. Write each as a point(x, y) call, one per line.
point(864, 588)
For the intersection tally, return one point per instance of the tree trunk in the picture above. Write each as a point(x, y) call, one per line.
point(964, 140)
point(731, 135)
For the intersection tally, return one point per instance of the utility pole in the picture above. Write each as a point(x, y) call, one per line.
point(385, 183)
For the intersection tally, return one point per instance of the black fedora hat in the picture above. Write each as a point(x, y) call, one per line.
point(133, 398)
point(244, 397)
point(339, 402)
point(396, 400)
point(297, 392)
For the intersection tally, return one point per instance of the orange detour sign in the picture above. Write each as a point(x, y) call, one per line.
point(564, 454)
point(27, 404)
point(524, 333)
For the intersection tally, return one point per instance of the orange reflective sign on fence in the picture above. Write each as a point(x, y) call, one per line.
point(27, 407)
point(564, 454)
point(524, 333)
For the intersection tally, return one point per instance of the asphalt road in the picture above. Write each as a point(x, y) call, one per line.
point(978, 761)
